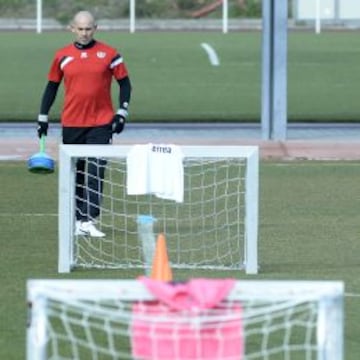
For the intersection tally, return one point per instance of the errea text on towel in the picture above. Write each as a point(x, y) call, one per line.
point(161, 149)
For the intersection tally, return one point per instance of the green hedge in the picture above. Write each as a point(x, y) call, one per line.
point(63, 10)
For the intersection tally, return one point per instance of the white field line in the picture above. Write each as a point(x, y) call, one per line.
point(27, 215)
point(354, 295)
point(10, 157)
point(213, 58)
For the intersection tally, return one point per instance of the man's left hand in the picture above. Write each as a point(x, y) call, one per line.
point(118, 121)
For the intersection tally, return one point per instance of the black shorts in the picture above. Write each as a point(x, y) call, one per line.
point(90, 135)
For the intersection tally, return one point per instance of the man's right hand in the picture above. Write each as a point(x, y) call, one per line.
point(43, 125)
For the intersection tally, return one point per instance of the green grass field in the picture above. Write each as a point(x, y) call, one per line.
point(173, 79)
point(309, 230)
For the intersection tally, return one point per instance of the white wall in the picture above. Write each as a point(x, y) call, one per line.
point(328, 9)
point(306, 9)
point(349, 9)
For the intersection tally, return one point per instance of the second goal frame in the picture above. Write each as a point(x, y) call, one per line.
point(274, 319)
point(235, 168)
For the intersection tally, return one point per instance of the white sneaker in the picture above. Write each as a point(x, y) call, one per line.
point(87, 228)
point(77, 228)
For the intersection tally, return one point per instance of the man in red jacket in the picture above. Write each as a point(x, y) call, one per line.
point(87, 68)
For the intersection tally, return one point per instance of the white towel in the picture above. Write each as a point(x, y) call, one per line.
point(137, 170)
point(156, 169)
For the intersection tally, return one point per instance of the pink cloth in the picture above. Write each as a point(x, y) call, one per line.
point(189, 321)
point(196, 293)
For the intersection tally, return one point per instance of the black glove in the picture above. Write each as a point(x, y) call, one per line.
point(118, 121)
point(43, 125)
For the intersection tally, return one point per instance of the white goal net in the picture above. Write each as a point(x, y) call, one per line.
point(214, 227)
point(122, 319)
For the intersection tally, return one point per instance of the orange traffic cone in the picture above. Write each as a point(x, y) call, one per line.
point(161, 268)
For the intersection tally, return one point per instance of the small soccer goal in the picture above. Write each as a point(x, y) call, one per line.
point(214, 227)
point(122, 319)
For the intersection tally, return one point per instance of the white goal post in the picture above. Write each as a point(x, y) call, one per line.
point(103, 319)
point(215, 227)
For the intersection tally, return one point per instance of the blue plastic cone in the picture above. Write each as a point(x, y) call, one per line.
point(40, 162)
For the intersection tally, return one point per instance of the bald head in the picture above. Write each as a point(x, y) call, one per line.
point(83, 26)
point(83, 16)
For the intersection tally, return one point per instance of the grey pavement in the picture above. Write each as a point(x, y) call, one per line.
point(212, 131)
